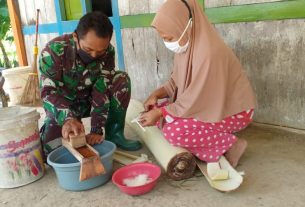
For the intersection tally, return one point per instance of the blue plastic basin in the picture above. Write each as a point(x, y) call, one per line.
point(67, 167)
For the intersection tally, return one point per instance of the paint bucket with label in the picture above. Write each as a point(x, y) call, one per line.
point(21, 158)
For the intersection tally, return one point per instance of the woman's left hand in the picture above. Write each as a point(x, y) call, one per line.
point(150, 118)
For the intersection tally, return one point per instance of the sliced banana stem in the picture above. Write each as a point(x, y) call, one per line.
point(216, 173)
point(126, 158)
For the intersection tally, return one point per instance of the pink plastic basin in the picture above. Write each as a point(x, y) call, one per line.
point(131, 171)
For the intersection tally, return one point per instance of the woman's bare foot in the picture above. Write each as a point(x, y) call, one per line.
point(236, 151)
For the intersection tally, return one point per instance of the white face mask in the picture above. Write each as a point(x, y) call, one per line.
point(174, 46)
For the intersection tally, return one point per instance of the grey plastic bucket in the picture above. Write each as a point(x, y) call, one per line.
point(67, 167)
point(21, 160)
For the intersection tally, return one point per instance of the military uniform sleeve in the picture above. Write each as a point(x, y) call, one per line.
point(101, 94)
point(50, 68)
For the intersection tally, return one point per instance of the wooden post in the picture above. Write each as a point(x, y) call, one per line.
point(17, 31)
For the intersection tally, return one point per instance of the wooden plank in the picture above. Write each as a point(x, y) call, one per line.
point(49, 11)
point(77, 141)
point(113, 42)
point(139, 7)
point(73, 151)
point(17, 31)
point(126, 158)
point(89, 158)
point(91, 167)
point(155, 5)
point(133, 7)
point(29, 42)
point(123, 7)
point(153, 68)
point(125, 154)
point(43, 39)
point(30, 11)
point(22, 11)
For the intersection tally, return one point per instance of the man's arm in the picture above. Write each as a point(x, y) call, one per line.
point(101, 94)
point(50, 67)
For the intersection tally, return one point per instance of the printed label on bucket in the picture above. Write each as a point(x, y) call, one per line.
point(21, 162)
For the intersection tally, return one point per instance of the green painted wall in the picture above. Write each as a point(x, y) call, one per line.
point(294, 9)
point(258, 12)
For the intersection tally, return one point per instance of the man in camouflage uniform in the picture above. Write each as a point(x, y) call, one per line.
point(78, 80)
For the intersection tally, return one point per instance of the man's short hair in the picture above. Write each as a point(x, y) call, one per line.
point(96, 21)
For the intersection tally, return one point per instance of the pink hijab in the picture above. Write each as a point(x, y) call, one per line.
point(207, 81)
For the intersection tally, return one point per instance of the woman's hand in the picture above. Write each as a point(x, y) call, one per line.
point(150, 102)
point(93, 138)
point(151, 117)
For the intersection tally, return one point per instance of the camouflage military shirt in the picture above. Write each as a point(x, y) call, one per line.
point(68, 86)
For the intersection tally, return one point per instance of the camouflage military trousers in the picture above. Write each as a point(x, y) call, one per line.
point(120, 92)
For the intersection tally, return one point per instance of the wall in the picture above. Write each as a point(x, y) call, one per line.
point(272, 53)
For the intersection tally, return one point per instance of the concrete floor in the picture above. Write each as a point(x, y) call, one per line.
point(274, 165)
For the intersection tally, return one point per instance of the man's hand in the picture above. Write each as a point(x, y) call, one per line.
point(150, 118)
point(72, 126)
point(94, 138)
